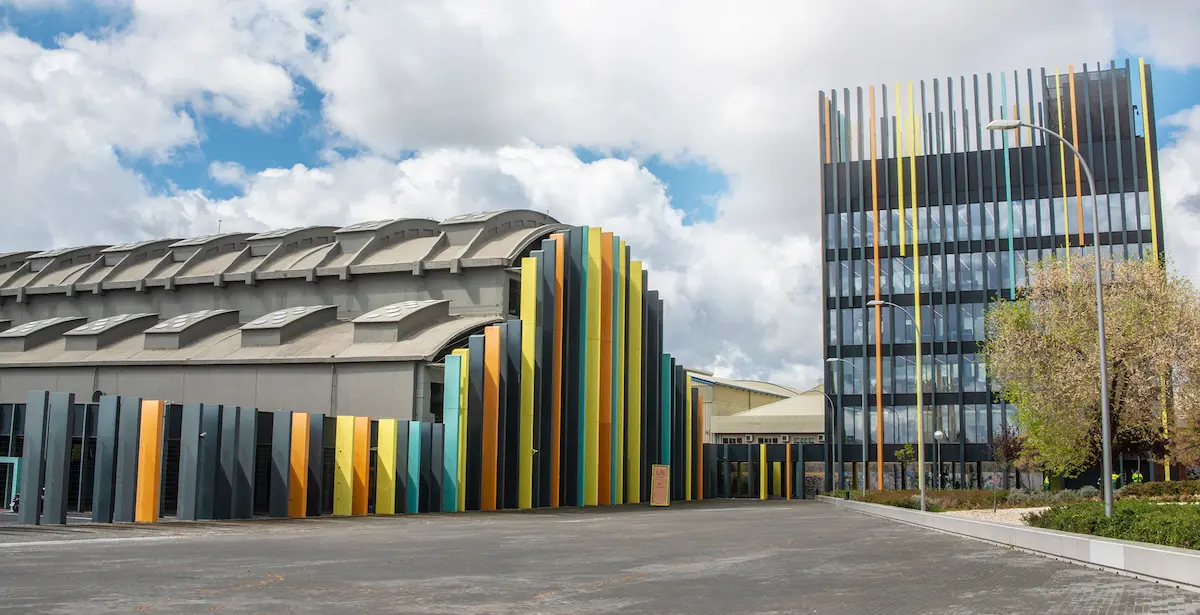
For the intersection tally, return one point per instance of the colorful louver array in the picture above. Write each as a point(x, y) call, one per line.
point(572, 404)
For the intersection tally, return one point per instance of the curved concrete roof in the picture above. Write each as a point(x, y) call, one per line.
point(486, 239)
point(332, 341)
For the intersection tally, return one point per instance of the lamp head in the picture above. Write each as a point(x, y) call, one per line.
point(831, 360)
point(875, 303)
point(1004, 124)
point(939, 434)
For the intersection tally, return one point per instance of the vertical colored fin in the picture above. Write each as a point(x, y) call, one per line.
point(529, 284)
point(464, 362)
point(604, 462)
point(491, 416)
point(560, 257)
point(343, 476)
point(149, 470)
point(762, 472)
point(362, 451)
point(878, 316)
point(1149, 160)
point(621, 282)
point(298, 466)
point(385, 458)
point(591, 444)
point(900, 175)
point(452, 418)
point(634, 390)
point(1075, 142)
point(1062, 163)
point(1012, 258)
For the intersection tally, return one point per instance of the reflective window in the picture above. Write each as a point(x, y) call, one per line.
point(989, 221)
point(962, 228)
point(906, 374)
point(832, 269)
point(1031, 223)
point(1131, 212)
point(856, 229)
point(857, 267)
point(1144, 210)
point(993, 271)
point(976, 222)
point(833, 327)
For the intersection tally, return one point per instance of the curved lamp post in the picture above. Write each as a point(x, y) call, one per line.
point(834, 441)
point(1105, 429)
point(920, 387)
point(865, 436)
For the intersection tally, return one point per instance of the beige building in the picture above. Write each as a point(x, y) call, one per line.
point(726, 397)
point(798, 418)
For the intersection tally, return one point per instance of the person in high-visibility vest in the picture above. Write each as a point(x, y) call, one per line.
point(1137, 477)
point(1045, 483)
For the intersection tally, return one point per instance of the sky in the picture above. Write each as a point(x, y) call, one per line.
point(686, 127)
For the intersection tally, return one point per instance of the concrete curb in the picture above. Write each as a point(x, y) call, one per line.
point(1170, 565)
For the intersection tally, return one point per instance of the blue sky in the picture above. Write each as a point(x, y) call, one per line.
point(693, 186)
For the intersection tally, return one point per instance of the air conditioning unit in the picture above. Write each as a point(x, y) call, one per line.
point(750, 438)
point(785, 439)
point(821, 438)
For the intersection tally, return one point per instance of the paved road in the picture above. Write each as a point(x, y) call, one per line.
point(744, 558)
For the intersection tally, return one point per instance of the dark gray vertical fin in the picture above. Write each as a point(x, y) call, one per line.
point(189, 455)
point(247, 453)
point(33, 457)
point(208, 461)
point(129, 432)
point(281, 459)
point(316, 465)
point(227, 469)
point(104, 478)
point(58, 457)
point(402, 440)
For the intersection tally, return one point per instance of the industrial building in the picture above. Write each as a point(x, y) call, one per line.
point(924, 208)
point(351, 320)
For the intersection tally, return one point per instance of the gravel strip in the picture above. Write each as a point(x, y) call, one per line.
point(1011, 516)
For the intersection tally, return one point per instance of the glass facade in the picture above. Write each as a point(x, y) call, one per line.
point(986, 211)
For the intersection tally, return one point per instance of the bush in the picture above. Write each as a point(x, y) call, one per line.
point(1174, 525)
point(1088, 492)
point(1175, 489)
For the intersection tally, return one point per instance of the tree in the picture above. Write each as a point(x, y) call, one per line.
point(1042, 352)
point(1006, 448)
point(905, 456)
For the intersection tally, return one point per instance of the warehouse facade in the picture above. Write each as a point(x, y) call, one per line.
point(315, 319)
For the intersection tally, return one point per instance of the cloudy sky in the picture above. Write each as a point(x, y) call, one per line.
point(686, 126)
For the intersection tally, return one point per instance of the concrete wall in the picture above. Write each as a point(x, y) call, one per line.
point(474, 291)
point(379, 390)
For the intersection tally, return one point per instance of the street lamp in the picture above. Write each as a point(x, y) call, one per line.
point(864, 439)
point(1105, 429)
point(938, 436)
point(835, 441)
point(920, 388)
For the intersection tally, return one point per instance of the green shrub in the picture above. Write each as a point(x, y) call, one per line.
point(1161, 489)
point(1088, 492)
point(1175, 525)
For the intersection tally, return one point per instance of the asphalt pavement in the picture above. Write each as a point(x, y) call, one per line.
point(716, 557)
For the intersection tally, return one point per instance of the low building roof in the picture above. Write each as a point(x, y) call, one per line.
point(488, 239)
point(332, 341)
point(757, 386)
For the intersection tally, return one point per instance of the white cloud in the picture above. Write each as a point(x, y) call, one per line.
point(1179, 171)
point(491, 92)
